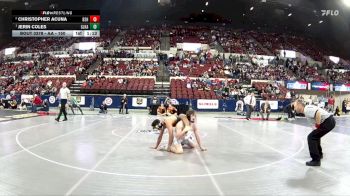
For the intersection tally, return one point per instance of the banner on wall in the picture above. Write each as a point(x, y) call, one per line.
point(208, 104)
point(342, 87)
point(80, 99)
point(139, 102)
point(296, 85)
point(174, 102)
point(273, 104)
point(288, 54)
point(320, 86)
point(27, 98)
point(52, 99)
point(108, 101)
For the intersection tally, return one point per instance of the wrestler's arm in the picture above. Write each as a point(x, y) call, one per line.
point(318, 118)
point(159, 138)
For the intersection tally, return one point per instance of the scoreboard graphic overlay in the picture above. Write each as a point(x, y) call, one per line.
point(55, 23)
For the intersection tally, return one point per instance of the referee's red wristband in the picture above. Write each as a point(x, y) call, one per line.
point(317, 126)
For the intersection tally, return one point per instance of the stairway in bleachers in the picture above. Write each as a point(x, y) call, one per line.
point(162, 89)
point(75, 87)
point(165, 41)
point(268, 52)
point(117, 38)
point(163, 73)
point(94, 65)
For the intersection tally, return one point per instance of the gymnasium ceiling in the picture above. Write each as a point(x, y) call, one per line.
point(247, 14)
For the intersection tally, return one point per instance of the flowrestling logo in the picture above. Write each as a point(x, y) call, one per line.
point(330, 12)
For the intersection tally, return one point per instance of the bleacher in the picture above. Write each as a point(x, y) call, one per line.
point(119, 85)
point(23, 70)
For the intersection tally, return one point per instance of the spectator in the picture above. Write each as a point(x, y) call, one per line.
point(13, 104)
point(239, 107)
point(344, 105)
point(45, 106)
point(265, 109)
point(167, 101)
point(155, 100)
point(337, 111)
point(37, 103)
point(74, 104)
point(123, 105)
point(331, 103)
point(288, 95)
point(90, 83)
point(103, 108)
point(2, 104)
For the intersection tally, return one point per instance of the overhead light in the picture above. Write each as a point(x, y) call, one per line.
point(207, 3)
point(289, 5)
point(290, 14)
point(164, 2)
point(251, 9)
point(53, 6)
point(202, 11)
point(309, 25)
point(243, 14)
point(321, 21)
point(346, 2)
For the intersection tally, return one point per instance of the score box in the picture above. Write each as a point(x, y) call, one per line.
point(94, 26)
point(94, 19)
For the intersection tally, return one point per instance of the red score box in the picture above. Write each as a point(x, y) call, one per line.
point(94, 19)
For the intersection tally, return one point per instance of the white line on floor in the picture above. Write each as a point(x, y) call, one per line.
point(41, 143)
point(148, 134)
point(330, 133)
point(164, 176)
point(26, 128)
point(343, 126)
point(213, 180)
point(280, 152)
point(82, 179)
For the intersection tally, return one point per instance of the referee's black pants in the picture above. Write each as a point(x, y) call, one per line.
point(122, 107)
point(249, 111)
point(63, 109)
point(314, 138)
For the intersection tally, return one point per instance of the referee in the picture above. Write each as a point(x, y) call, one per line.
point(324, 123)
point(64, 95)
